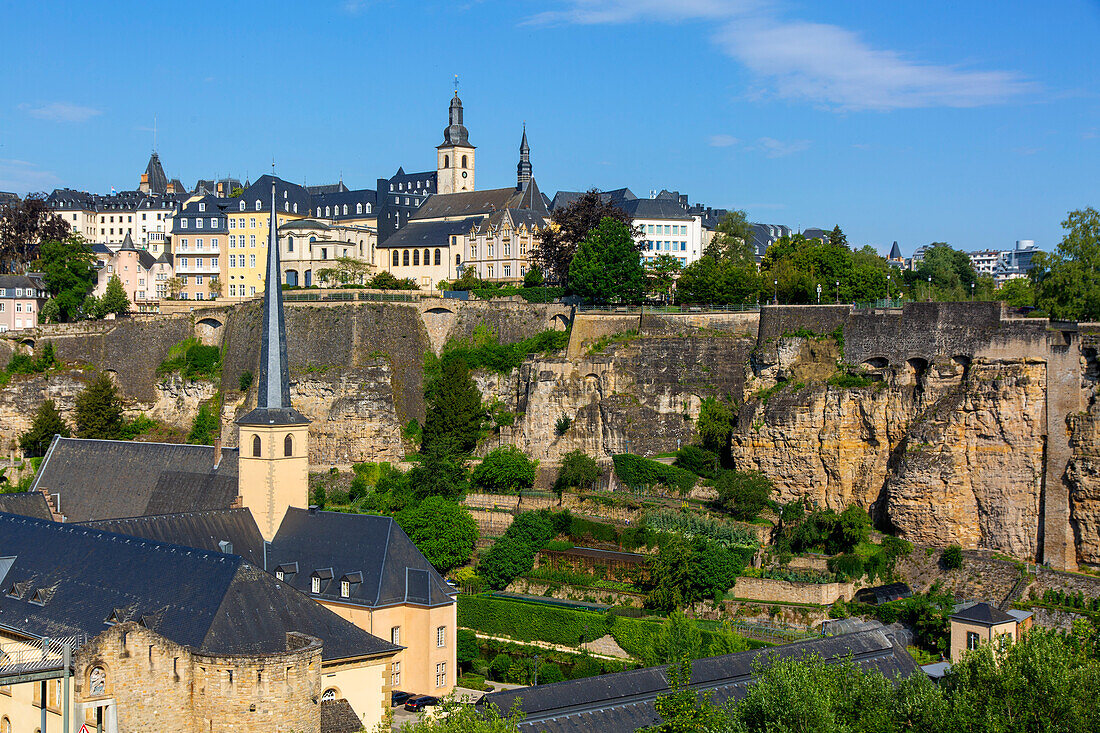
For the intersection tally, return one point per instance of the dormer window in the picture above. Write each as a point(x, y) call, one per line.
point(242, 206)
point(348, 581)
point(257, 204)
point(318, 578)
point(315, 584)
point(345, 589)
point(202, 207)
point(280, 575)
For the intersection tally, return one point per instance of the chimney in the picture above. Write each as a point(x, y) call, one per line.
point(218, 448)
point(312, 508)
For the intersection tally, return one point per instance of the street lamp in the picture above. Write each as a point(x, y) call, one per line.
point(536, 670)
point(819, 293)
point(972, 291)
point(838, 292)
point(929, 288)
point(775, 299)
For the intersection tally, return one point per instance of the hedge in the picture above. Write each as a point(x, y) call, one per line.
point(643, 473)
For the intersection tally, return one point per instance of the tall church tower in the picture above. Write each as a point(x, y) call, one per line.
point(455, 157)
point(273, 473)
point(523, 168)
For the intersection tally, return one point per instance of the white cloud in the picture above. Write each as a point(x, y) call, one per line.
point(60, 112)
point(773, 148)
point(828, 65)
point(722, 141)
point(814, 62)
point(21, 176)
point(594, 12)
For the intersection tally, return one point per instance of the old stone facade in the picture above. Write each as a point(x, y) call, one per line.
point(134, 680)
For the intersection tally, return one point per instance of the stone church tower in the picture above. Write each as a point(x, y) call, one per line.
point(455, 157)
point(273, 438)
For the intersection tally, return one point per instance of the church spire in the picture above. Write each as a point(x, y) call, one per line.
point(273, 396)
point(523, 169)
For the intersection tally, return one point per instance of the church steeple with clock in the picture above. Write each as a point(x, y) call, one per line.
point(455, 157)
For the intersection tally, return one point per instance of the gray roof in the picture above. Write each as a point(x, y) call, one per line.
point(338, 716)
point(429, 233)
point(108, 479)
point(470, 203)
point(617, 196)
point(155, 178)
point(27, 504)
point(391, 569)
point(895, 251)
point(655, 209)
point(205, 530)
point(623, 702)
point(69, 580)
point(982, 613)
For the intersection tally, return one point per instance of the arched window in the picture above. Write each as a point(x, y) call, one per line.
point(427, 257)
point(328, 695)
point(257, 204)
point(345, 209)
point(359, 208)
point(446, 161)
point(395, 258)
point(327, 208)
point(288, 445)
point(416, 257)
point(242, 206)
point(438, 257)
point(368, 208)
point(458, 259)
point(312, 240)
point(290, 244)
point(463, 161)
point(405, 258)
point(255, 446)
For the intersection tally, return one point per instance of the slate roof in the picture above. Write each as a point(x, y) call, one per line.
point(895, 252)
point(623, 702)
point(429, 233)
point(68, 579)
point(655, 209)
point(107, 479)
point(470, 203)
point(202, 530)
point(338, 716)
point(154, 172)
point(393, 570)
point(884, 593)
point(27, 504)
point(617, 196)
point(983, 613)
point(338, 187)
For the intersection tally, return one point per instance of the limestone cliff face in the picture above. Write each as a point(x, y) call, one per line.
point(1083, 471)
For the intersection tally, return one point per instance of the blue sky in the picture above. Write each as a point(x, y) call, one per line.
point(973, 123)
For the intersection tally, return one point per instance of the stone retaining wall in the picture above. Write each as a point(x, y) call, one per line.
point(781, 591)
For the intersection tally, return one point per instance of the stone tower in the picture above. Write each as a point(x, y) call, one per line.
point(455, 157)
point(523, 168)
point(274, 437)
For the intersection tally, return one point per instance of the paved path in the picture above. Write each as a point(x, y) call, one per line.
point(546, 645)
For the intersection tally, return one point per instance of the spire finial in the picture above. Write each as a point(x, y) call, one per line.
point(456, 85)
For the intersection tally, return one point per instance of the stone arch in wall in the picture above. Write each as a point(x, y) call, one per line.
point(439, 310)
point(918, 369)
point(209, 330)
point(962, 365)
point(559, 322)
point(27, 344)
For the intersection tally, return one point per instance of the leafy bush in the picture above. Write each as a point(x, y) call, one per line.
point(848, 565)
point(743, 494)
point(578, 471)
point(952, 557)
point(205, 427)
point(642, 473)
point(562, 425)
point(23, 363)
point(827, 531)
point(483, 349)
point(699, 461)
point(715, 427)
point(505, 471)
point(466, 647)
point(847, 380)
point(498, 668)
point(192, 359)
point(441, 529)
point(244, 382)
point(697, 525)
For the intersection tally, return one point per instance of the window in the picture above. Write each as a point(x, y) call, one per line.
point(458, 259)
point(255, 446)
point(198, 278)
point(290, 244)
point(463, 161)
point(427, 257)
point(395, 636)
point(359, 208)
point(446, 161)
point(315, 584)
point(328, 211)
point(198, 223)
point(441, 674)
point(490, 248)
point(416, 257)
point(328, 695)
point(507, 249)
point(213, 223)
point(242, 206)
point(972, 639)
point(288, 445)
point(257, 204)
point(395, 675)
point(251, 240)
point(280, 575)
point(252, 260)
point(405, 258)
point(507, 270)
point(183, 262)
point(183, 223)
point(252, 223)
point(441, 636)
point(395, 258)
point(345, 209)
point(232, 260)
point(232, 223)
point(324, 253)
point(345, 588)
point(438, 256)
point(368, 208)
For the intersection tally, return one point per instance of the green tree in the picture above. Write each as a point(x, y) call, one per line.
point(499, 666)
point(661, 274)
point(606, 267)
point(466, 647)
point(718, 281)
point(441, 471)
point(205, 428)
point(715, 427)
point(837, 238)
point(683, 710)
point(678, 639)
point(47, 423)
point(455, 414)
point(687, 571)
point(952, 557)
point(533, 278)
point(569, 226)
point(505, 471)
point(732, 241)
point(950, 270)
point(68, 268)
point(98, 411)
point(743, 494)
point(578, 471)
point(24, 227)
point(114, 298)
point(459, 717)
point(1067, 281)
point(1017, 292)
point(441, 529)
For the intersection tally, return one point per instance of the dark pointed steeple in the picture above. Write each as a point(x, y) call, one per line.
point(127, 244)
point(523, 169)
point(273, 394)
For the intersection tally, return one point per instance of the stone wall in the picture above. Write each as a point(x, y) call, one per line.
point(155, 684)
point(767, 590)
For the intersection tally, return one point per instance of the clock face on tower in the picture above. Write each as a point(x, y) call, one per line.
point(463, 174)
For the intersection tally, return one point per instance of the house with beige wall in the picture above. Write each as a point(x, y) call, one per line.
point(135, 270)
point(973, 625)
point(309, 247)
point(21, 299)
